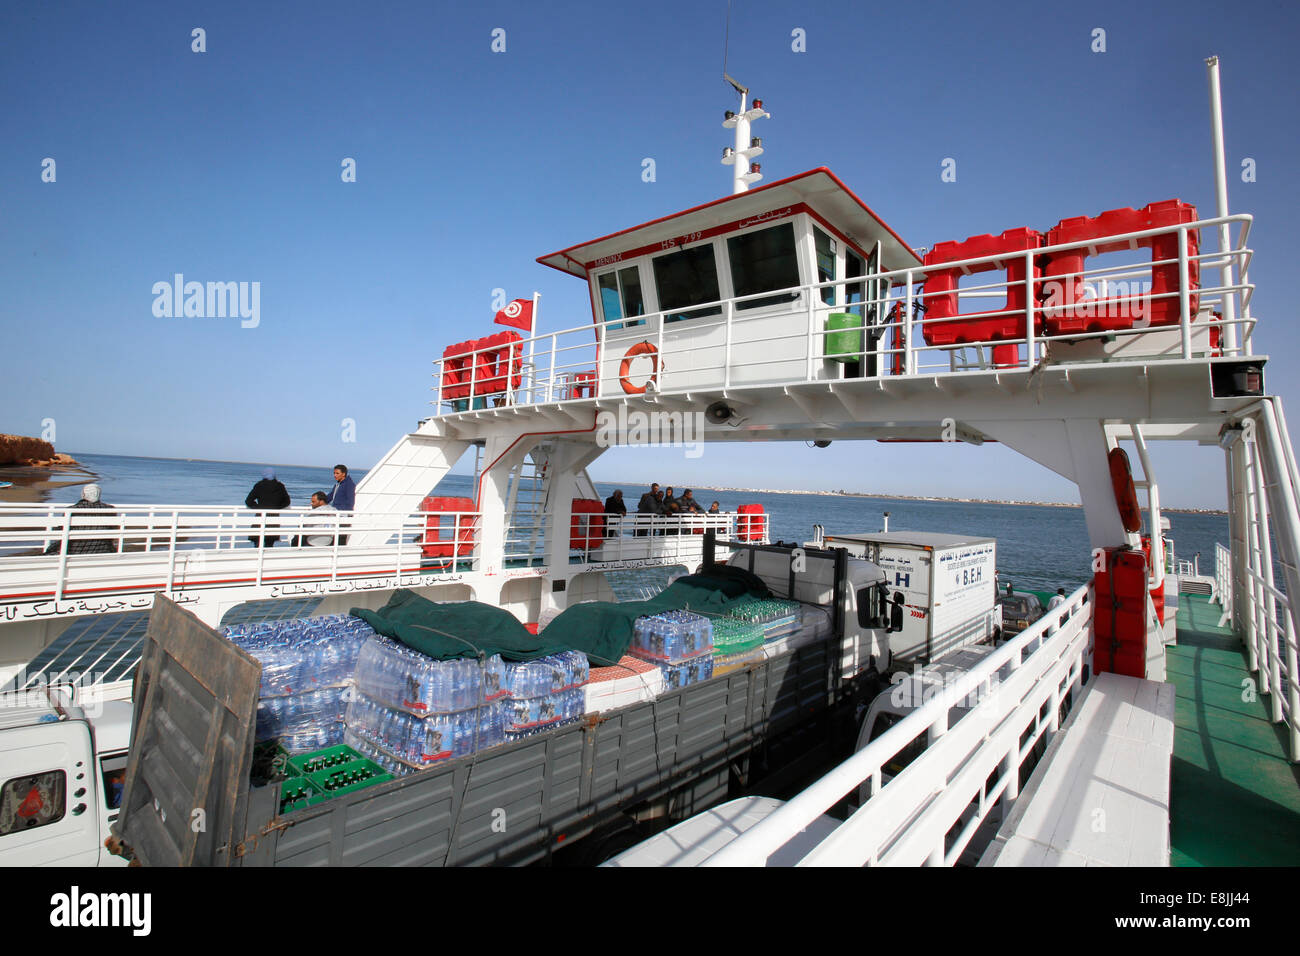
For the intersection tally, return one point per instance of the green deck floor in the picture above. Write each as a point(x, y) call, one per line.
point(1235, 797)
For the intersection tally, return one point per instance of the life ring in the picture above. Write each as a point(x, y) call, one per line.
point(1121, 480)
point(641, 348)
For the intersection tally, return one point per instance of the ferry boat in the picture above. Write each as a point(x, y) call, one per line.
point(792, 311)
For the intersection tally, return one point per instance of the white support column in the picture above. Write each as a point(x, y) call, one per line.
point(567, 463)
point(501, 455)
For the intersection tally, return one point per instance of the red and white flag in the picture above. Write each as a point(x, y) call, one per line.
point(517, 314)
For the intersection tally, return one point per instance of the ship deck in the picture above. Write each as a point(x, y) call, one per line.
point(1235, 797)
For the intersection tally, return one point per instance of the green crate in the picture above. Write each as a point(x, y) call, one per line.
point(304, 765)
point(298, 792)
point(327, 781)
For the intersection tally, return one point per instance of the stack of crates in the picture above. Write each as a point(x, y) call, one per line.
point(332, 772)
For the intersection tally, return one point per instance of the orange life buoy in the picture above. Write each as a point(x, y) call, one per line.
point(1121, 480)
point(641, 348)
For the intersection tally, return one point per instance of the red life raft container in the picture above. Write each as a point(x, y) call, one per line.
point(1119, 613)
point(954, 328)
point(439, 542)
point(750, 523)
point(1066, 311)
point(500, 363)
point(457, 368)
point(587, 524)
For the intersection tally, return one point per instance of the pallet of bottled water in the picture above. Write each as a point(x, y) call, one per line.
point(693, 670)
point(307, 667)
point(302, 654)
point(733, 636)
point(727, 663)
point(671, 636)
point(777, 617)
point(545, 693)
point(400, 737)
point(814, 625)
point(404, 679)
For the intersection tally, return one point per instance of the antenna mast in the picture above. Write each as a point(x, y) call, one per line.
point(746, 147)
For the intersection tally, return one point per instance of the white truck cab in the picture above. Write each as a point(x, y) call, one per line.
point(62, 769)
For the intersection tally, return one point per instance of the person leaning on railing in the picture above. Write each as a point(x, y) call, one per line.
point(267, 495)
point(616, 509)
point(89, 499)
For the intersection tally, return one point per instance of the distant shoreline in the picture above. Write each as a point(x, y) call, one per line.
point(752, 491)
point(884, 497)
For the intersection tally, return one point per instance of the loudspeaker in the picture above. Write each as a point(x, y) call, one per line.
point(719, 413)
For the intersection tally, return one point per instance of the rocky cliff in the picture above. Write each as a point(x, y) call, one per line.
point(20, 450)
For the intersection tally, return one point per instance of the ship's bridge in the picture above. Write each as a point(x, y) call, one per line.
point(664, 286)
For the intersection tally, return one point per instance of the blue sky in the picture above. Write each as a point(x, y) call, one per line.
point(225, 166)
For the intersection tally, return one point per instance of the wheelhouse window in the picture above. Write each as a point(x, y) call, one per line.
point(621, 298)
point(762, 261)
point(685, 278)
point(826, 264)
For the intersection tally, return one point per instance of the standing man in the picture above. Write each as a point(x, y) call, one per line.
point(614, 507)
point(689, 504)
point(343, 496)
point(649, 505)
point(267, 495)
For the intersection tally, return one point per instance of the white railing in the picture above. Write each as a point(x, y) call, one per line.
point(663, 539)
point(705, 351)
point(1223, 580)
point(929, 812)
point(130, 548)
point(1275, 651)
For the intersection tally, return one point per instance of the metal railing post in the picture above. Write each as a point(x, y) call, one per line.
point(1184, 295)
point(63, 556)
point(1030, 360)
point(171, 554)
point(905, 323)
point(550, 378)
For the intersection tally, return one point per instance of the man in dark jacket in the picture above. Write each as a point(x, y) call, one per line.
point(649, 505)
point(267, 495)
point(343, 496)
point(614, 506)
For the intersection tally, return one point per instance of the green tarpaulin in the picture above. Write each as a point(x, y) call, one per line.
point(600, 629)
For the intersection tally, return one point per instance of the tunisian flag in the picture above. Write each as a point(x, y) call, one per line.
point(518, 314)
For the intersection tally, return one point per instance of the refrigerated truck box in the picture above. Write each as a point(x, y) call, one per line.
point(948, 587)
